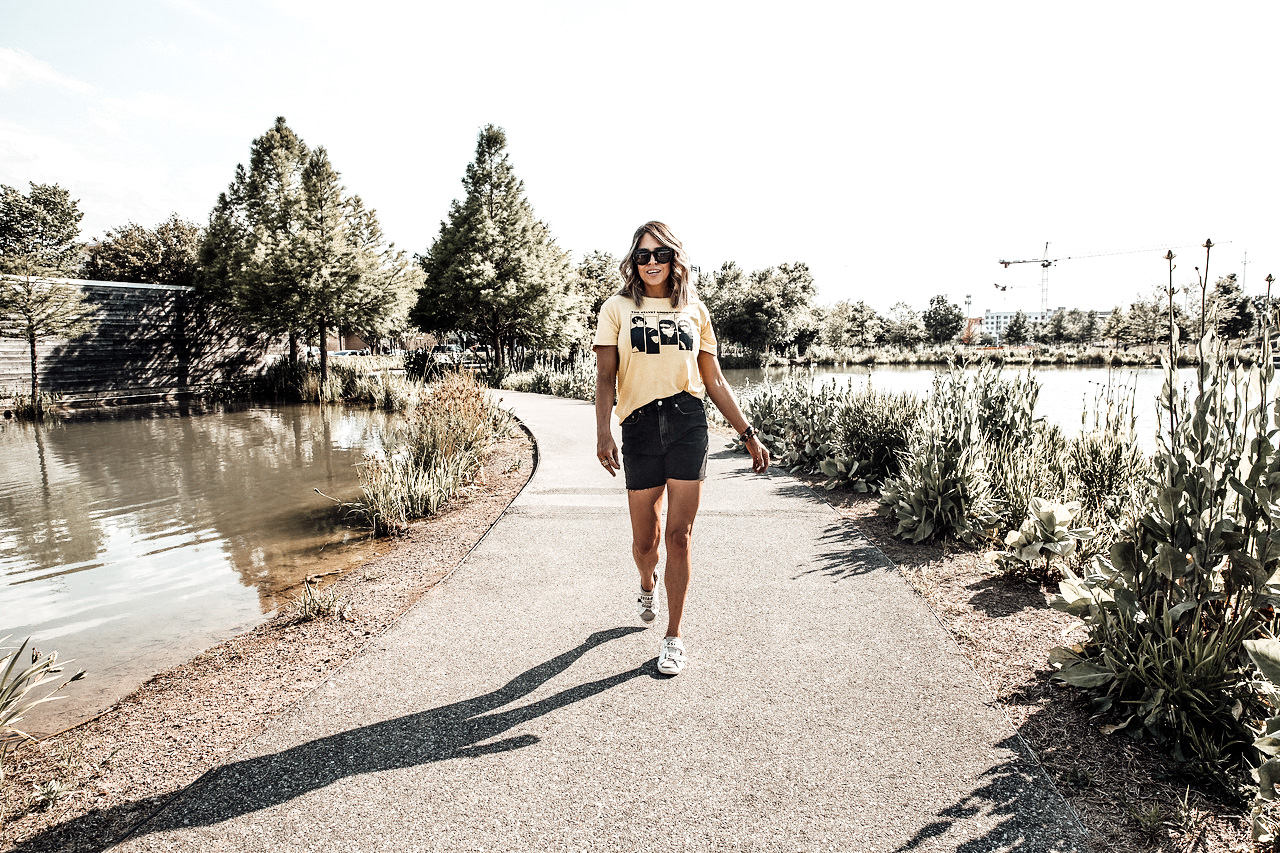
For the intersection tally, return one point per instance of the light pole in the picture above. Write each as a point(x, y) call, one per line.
point(968, 329)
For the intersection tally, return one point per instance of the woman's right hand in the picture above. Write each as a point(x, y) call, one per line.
point(607, 454)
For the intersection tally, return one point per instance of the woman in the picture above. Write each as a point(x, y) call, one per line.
point(660, 390)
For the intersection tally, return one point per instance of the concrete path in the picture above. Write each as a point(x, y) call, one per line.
point(517, 706)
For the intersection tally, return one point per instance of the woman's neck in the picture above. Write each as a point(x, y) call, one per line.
point(657, 291)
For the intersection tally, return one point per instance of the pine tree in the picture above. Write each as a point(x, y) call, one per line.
point(260, 207)
point(1089, 328)
point(494, 270)
point(296, 254)
point(1018, 331)
point(1231, 312)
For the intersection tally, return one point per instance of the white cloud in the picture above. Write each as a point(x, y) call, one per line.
point(18, 67)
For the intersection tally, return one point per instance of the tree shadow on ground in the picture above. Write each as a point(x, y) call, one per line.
point(846, 553)
point(460, 730)
point(999, 596)
point(1026, 812)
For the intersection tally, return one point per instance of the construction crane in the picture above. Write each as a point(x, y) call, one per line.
point(1045, 262)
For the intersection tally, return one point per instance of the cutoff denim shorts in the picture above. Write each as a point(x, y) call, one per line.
point(665, 440)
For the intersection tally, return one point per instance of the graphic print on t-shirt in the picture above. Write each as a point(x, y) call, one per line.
point(637, 333)
point(685, 333)
point(653, 330)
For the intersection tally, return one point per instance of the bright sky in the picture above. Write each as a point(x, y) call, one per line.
point(900, 149)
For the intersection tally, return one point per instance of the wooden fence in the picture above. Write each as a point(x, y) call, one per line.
point(150, 342)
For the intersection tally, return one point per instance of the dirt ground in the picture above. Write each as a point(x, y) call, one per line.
point(1129, 797)
point(126, 763)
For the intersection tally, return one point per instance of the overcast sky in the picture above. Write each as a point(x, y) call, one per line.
point(899, 149)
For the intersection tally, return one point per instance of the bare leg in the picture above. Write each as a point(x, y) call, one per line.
point(686, 495)
point(646, 531)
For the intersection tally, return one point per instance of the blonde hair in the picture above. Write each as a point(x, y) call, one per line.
point(679, 279)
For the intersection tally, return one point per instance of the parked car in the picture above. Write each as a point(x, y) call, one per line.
point(346, 352)
point(447, 354)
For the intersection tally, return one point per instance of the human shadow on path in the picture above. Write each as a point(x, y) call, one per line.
point(459, 730)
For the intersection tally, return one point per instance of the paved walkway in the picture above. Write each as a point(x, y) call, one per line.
point(517, 706)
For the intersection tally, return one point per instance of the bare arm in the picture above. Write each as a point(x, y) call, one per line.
point(606, 378)
point(722, 395)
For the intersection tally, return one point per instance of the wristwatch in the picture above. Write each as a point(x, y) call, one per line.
point(745, 436)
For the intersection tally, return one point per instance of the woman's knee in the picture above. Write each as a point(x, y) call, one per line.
point(680, 539)
point(646, 544)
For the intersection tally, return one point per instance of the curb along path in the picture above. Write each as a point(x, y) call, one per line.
point(517, 707)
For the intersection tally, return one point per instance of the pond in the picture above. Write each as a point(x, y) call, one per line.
point(1066, 393)
point(132, 544)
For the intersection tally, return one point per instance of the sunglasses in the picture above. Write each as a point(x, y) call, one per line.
point(661, 256)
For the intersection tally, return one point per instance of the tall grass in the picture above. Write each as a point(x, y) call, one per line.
point(438, 448)
point(367, 380)
point(24, 406)
point(574, 378)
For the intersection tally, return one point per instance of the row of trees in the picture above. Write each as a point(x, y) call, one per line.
point(289, 252)
point(1226, 310)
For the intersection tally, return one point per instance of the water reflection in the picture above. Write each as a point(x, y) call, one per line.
point(130, 545)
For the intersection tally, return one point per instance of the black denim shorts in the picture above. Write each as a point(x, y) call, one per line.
point(665, 440)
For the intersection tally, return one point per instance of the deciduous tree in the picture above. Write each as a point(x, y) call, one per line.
point(903, 326)
point(597, 279)
point(943, 320)
point(38, 231)
point(38, 234)
point(167, 254)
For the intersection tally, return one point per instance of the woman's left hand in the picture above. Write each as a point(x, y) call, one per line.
point(759, 454)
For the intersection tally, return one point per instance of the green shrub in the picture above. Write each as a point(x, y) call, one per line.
point(943, 489)
point(796, 420)
point(1049, 531)
point(871, 432)
point(17, 683)
point(1193, 577)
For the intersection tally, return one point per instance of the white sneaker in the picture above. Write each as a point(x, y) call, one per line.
point(671, 657)
point(645, 603)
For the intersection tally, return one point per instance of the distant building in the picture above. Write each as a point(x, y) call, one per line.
point(995, 322)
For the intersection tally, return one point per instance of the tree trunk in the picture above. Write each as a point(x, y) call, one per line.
point(293, 349)
point(499, 354)
point(37, 406)
point(324, 355)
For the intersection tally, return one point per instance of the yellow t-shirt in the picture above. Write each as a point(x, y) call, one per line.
point(658, 348)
